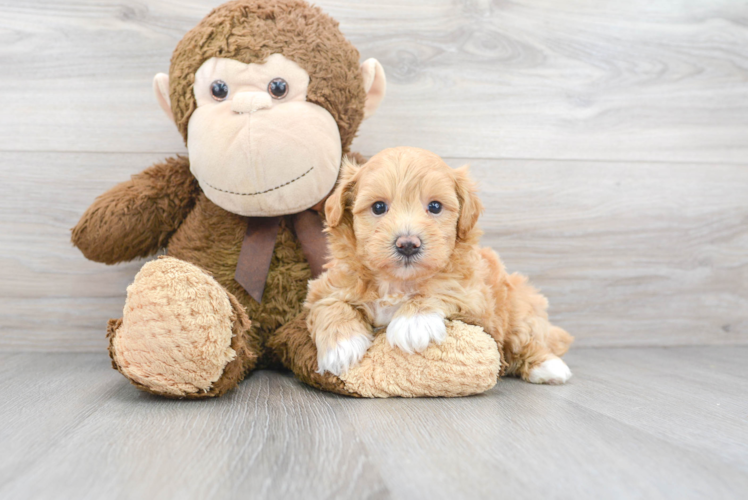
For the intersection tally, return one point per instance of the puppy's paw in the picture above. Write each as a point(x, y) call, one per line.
point(413, 333)
point(551, 371)
point(345, 354)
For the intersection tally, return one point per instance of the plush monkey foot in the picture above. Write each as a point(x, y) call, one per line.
point(182, 334)
point(467, 362)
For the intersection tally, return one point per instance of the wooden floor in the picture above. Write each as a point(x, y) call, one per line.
point(632, 423)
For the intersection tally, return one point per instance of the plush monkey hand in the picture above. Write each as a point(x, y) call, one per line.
point(137, 217)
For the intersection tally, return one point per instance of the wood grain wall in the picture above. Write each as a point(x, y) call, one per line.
point(610, 139)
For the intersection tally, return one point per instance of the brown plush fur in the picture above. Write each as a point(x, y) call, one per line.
point(297, 352)
point(466, 363)
point(177, 330)
point(130, 221)
point(251, 30)
point(233, 373)
point(451, 277)
point(136, 218)
point(211, 238)
point(163, 207)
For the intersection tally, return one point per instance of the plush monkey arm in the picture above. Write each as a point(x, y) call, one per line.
point(137, 217)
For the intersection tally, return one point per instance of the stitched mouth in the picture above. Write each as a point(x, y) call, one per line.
point(260, 192)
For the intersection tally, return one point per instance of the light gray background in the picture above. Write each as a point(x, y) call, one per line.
point(610, 139)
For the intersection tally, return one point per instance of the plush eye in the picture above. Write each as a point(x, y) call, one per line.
point(378, 208)
point(435, 207)
point(278, 88)
point(219, 90)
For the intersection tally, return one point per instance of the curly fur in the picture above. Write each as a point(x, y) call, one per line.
point(452, 276)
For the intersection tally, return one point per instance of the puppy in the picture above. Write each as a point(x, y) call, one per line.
point(405, 257)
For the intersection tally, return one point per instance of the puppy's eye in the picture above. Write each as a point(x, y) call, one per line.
point(278, 88)
point(219, 90)
point(435, 207)
point(378, 208)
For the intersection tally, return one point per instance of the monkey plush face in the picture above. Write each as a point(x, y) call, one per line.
point(257, 146)
point(268, 96)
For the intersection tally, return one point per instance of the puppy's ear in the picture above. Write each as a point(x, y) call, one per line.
point(470, 205)
point(336, 202)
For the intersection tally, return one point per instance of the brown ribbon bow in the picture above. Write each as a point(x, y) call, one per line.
point(259, 242)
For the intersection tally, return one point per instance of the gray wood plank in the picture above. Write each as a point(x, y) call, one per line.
point(628, 254)
point(662, 80)
point(630, 424)
point(271, 439)
point(52, 298)
point(718, 359)
point(671, 394)
point(44, 399)
point(523, 442)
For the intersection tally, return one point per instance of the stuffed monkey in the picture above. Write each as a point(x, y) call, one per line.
point(268, 96)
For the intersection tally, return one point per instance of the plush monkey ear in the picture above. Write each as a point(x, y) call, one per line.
point(161, 89)
point(335, 204)
point(470, 205)
point(375, 85)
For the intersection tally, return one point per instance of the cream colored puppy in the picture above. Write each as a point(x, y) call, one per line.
point(405, 257)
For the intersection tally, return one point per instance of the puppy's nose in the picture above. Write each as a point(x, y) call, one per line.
point(249, 102)
point(408, 245)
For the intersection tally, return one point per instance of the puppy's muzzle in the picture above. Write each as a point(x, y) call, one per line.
point(408, 246)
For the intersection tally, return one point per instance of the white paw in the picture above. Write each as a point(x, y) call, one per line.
point(551, 371)
point(413, 333)
point(346, 354)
